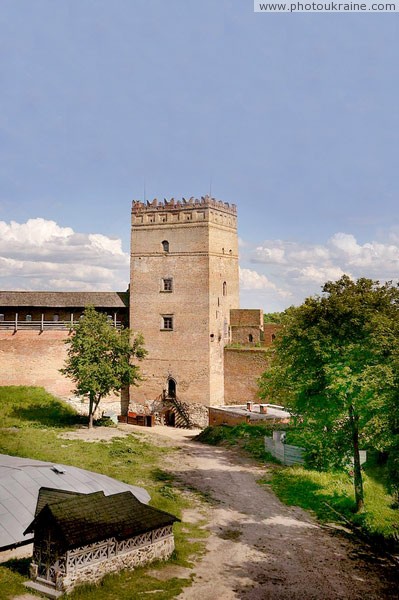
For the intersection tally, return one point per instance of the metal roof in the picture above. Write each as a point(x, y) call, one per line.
point(21, 479)
point(64, 299)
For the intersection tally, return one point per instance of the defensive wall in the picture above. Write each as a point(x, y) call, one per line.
point(242, 369)
point(30, 357)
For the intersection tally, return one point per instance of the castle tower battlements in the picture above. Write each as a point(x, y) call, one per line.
point(193, 210)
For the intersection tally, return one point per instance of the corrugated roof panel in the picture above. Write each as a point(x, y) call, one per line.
point(17, 507)
point(5, 537)
point(11, 524)
point(21, 480)
point(4, 491)
point(3, 509)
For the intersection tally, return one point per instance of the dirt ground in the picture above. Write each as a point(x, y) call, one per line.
point(258, 548)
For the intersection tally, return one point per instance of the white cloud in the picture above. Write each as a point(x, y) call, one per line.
point(302, 268)
point(251, 280)
point(39, 254)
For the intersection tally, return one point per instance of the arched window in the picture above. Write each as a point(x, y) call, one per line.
point(28, 318)
point(56, 317)
point(273, 337)
point(224, 288)
point(165, 246)
point(250, 338)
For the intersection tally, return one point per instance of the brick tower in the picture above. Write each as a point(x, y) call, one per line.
point(183, 283)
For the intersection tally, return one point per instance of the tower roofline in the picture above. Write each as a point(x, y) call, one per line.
point(192, 203)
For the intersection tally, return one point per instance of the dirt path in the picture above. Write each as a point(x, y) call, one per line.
point(258, 547)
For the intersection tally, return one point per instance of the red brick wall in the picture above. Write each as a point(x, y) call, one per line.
point(33, 358)
point(270, 330)
point(242, 368)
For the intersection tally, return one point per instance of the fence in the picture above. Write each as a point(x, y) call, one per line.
point(42, 325)
point(288, 455)
point(294, 455)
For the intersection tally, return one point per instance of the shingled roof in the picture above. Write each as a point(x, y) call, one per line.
point(21, 480)
point(64, 299)
point(83, 519)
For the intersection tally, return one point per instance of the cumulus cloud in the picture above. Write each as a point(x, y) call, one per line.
point(303, 268)
point(252, 280)
point(39, 254)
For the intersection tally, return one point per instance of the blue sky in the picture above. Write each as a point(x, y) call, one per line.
point(293, 117)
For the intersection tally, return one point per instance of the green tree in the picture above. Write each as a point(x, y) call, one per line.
point(99, 358)
point(273, 317)
point(334, 364)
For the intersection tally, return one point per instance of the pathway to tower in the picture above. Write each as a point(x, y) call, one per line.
point(259, 548)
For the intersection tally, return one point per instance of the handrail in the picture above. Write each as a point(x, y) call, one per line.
point(42, 325)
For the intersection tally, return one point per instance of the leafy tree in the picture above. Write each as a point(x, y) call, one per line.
point(99, 358)
point(335, 365)
point(274, 317)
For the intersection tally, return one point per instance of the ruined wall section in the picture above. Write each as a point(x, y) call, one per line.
point(242, 369)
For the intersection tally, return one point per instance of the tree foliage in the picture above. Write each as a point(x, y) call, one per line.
point(335, 365)
point(99, 358)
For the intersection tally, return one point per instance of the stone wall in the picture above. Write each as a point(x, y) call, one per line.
point(242, 368)
point(159, 550)
point(198, 413)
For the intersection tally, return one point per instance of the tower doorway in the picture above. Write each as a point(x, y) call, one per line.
point(171, 388)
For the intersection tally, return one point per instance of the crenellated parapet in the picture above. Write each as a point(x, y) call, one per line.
point(185, 211)
point(172, 204)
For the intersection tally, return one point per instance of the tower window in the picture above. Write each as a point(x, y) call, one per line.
point(167, 322)
point(224, 288)
point(167, 284)
point(165, 246)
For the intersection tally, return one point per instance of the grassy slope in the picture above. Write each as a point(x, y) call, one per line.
point(321, 492)
point(30, 422)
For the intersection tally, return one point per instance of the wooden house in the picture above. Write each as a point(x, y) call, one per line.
point(78, 538)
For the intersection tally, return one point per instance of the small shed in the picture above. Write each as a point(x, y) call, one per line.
point(78, 538)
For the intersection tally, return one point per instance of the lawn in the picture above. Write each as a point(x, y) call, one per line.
point(31, 421)
point(329, 495)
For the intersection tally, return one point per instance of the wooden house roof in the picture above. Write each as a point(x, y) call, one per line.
point(64, 299)
point(83, 519)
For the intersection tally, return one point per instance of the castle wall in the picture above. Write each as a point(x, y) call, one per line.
point(242, 369)
point(29, 357)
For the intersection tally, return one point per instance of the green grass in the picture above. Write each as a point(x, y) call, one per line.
point(31, 421)
point(247, 437)
point(323, 493)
